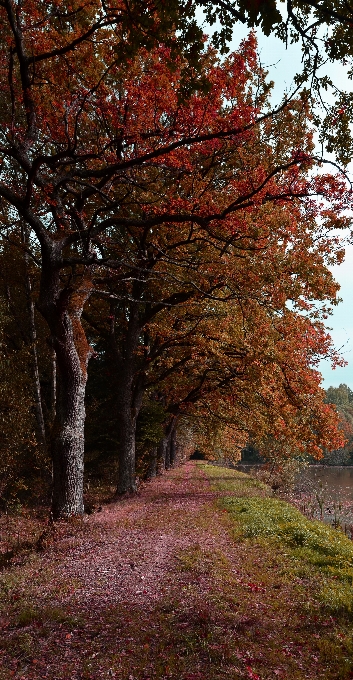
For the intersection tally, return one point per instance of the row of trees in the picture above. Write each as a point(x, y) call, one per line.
point(166, 225)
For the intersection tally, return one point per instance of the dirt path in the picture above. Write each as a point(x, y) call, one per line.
point(131, 552)
point(153, 587)
point(95, 605)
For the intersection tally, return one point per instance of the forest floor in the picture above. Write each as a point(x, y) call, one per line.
point(172, 585)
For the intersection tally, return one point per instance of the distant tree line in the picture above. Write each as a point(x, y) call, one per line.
point(342, 398)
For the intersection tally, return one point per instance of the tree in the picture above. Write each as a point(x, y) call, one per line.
point(79, 147)
point(341, 396)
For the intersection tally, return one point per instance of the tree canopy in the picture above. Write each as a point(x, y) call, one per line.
point(174, 223)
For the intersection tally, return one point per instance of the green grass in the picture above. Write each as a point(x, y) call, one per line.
point(311, 547)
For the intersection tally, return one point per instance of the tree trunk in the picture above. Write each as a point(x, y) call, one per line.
point(167, 452)
point(67, 436)
point(129, 393)
point(127, 436)
point(53, 387)
point(128, 385)
point(173, 445)
point(62, 309)
point(35, 368)
point(164, 448)
point(152, 464)
point(161, 454)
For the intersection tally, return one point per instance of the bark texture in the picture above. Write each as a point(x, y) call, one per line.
point(67, 437)
point(62, 309)
point(173, 445)
point(161, 455)
point(129, 386)
point(152, 464)
point(38, 407)
point(166, 452)
point(126, 420)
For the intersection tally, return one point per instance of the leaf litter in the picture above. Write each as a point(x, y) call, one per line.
point(158, 587)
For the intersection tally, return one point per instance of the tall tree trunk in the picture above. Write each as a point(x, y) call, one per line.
point(164, 448)
point(62, 309)
point(129, 387)
point(67, 436)
point(161, 455)
point(35, 367)
point(129, 400)
point(126, 420)
point(53, 387)
point(173, 444)
point(167, 452)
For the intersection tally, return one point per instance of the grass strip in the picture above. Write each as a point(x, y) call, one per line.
point(312, 547)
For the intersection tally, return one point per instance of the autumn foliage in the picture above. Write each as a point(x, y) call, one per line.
point(181, 237)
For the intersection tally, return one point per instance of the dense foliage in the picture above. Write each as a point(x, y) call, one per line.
point(178, 236)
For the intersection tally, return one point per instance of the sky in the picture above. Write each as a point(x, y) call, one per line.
point(282, 65)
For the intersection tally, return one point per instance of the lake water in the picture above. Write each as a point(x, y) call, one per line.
point(338, 480)
point(322, 492)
